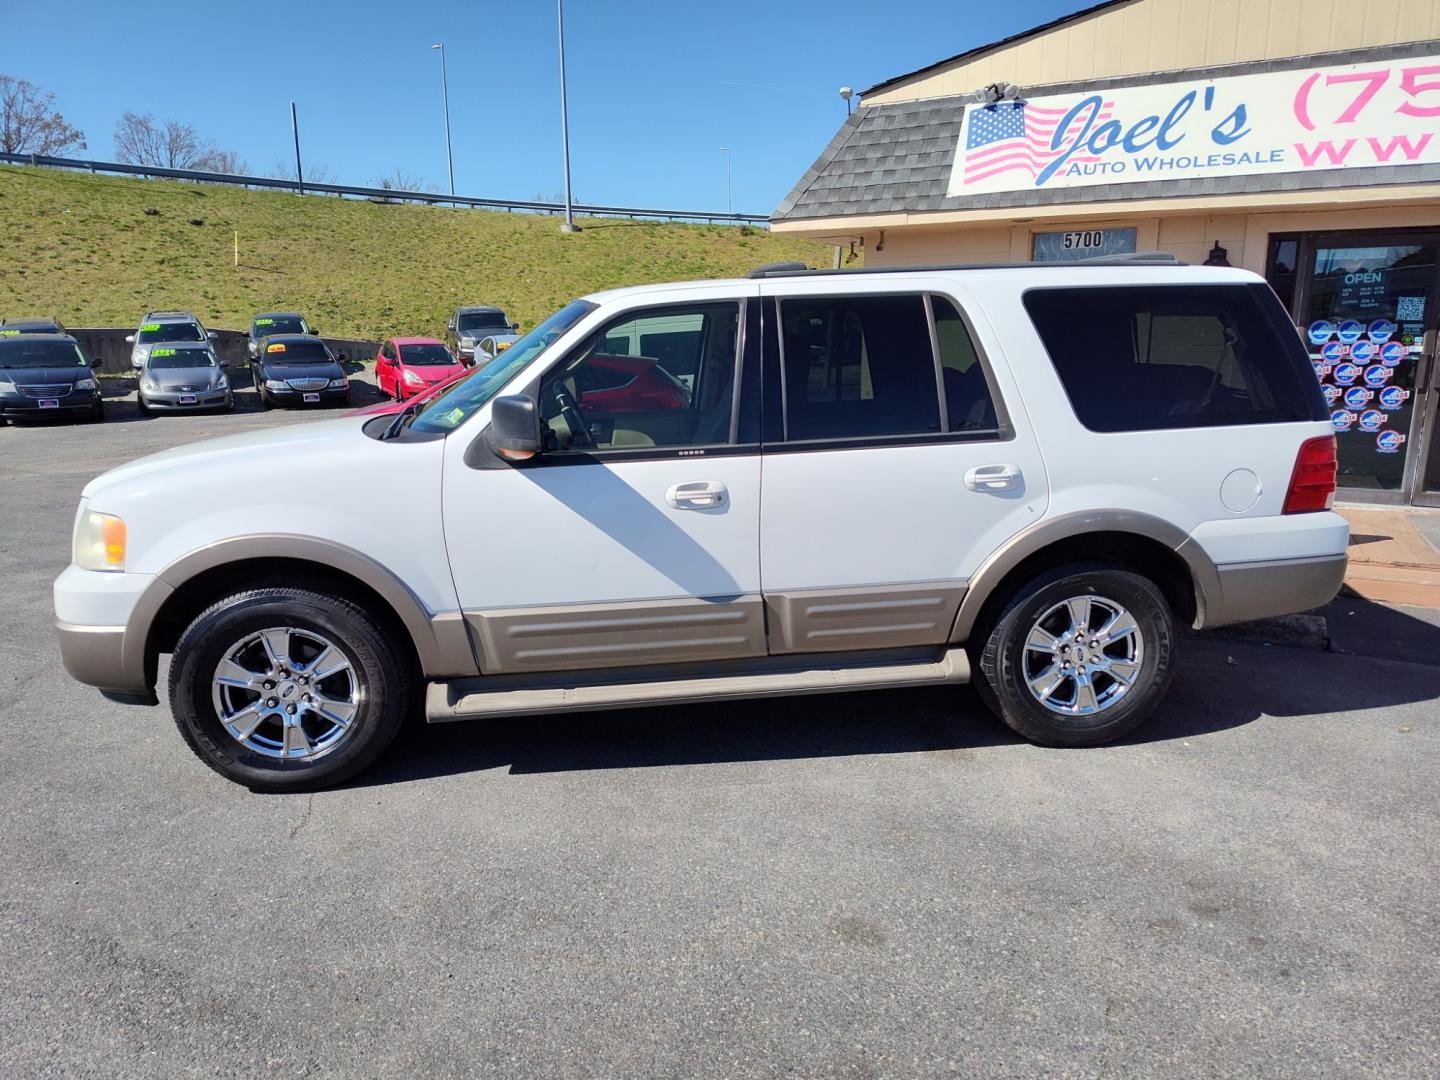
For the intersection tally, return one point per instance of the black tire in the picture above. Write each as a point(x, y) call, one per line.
point(1003, 686)
point(98, 413)
point(384, 692)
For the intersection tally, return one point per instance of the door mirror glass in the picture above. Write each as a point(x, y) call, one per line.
point(129, 339)
point(514, 432)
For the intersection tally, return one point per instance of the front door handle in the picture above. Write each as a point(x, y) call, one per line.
point(993, 477)
point(697, 495)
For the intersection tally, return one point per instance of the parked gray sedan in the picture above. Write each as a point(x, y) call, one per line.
point(184, 376)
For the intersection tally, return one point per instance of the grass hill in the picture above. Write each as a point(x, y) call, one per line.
point(89, 249)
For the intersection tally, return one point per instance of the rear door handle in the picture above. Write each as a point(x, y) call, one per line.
point(697, 495)
point(993, 477)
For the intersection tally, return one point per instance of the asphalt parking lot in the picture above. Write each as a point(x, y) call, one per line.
point(865, 885)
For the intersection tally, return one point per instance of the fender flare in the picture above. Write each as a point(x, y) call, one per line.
point(1203, 576)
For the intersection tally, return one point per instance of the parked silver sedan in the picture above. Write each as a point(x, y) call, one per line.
point(184, 376)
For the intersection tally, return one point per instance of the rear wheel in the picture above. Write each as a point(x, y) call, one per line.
point(1080, 656)
point(283, 689)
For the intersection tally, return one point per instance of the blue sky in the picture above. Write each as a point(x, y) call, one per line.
point(656, 88)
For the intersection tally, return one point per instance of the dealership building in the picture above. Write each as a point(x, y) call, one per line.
point(1296, 138)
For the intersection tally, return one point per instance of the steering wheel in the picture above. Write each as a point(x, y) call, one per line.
point(570, 412)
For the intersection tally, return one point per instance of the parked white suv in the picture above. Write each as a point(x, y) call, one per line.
point(1021, 476)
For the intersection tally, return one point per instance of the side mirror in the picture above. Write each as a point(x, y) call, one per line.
point(514, 327)
point(514, 432)
point(129, 339)
point(341, 357)
point(224, 363)
point(450, 327)
point(212, 335)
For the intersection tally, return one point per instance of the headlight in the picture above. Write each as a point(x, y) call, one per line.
point(340, 383)
point(413, 379)
point(148, 383)
point(221, 382)
point(276, 384)
point(86, 384)
point(467, 342)
point(99, 542)
point(7, 387)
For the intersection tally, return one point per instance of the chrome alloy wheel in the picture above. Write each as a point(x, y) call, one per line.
point(1083, 656)
point(286, 693)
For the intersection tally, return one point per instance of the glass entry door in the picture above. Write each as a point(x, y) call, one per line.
point(1369, 316)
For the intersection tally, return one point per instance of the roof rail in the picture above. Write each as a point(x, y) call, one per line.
point(1145, 258)
point(168, 315)
point(772, 268)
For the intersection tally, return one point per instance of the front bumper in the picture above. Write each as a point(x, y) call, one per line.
point(81, 402)
point(172, 399)
point(297, 397)
point(93, 613)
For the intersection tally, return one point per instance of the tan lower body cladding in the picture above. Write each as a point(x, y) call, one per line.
point(578, 636)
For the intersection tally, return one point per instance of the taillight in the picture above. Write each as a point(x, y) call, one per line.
point(1312, 484)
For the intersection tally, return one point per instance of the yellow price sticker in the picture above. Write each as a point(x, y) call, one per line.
point(277, 347)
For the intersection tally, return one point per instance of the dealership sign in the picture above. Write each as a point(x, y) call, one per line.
point(1304, 120)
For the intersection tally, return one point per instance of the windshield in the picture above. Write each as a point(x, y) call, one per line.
point(297, 352)
point(426, 356)
point(169, 331)
point(278, 324)
point(452, 408)
point(482, 320)
point(174, 359)
point(18, 353)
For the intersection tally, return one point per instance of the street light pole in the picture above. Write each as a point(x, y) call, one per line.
point(569, 225)
point(295, 127)
point(445, 94)
point(726, 151)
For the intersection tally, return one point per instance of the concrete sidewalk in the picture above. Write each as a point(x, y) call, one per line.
point(1394, 555)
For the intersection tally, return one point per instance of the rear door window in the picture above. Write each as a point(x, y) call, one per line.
point(1151, 357)
point(857, 367)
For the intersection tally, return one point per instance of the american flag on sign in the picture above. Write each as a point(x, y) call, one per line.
point(1016, 135)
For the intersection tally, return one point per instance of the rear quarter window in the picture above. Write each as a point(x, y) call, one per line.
point(1154, 357)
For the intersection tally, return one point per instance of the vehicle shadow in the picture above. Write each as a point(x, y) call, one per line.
point(1218, 686)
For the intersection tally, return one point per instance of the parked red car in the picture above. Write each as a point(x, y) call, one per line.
point(433, 390)
point(615, 384)
point(406, 366)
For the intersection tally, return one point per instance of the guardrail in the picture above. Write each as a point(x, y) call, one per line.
point(379, 193)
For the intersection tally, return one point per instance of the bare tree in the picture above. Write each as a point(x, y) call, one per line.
point(29, 123)
point(316, 172)
point(143, 140)
point(225, 161)
point(400, 180)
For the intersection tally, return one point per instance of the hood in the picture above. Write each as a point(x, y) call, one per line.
point(41, 375)
point(195, 378)
point(434, 373)
point(285, 445)
point(279, 370)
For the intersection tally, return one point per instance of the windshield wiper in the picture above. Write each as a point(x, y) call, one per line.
point(398, 424)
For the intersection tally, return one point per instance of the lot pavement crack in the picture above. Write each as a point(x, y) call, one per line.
point(304, 816)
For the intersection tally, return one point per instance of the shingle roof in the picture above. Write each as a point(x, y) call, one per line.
point(897, 157)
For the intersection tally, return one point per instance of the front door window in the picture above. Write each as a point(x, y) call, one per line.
point(1365, 322)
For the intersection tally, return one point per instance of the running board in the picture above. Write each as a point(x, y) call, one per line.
point(468, 699)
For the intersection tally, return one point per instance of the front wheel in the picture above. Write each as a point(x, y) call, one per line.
point(1079, 656)
point(284, 689)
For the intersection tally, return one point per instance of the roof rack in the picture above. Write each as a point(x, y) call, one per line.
point(1142, 258)
point(168, 315)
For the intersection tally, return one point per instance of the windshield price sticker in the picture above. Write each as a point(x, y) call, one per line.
point(163, 352)
point(149, 327)
point(277, 347)
point(264, 322)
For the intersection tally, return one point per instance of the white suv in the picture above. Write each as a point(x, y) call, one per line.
point(798, 482)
